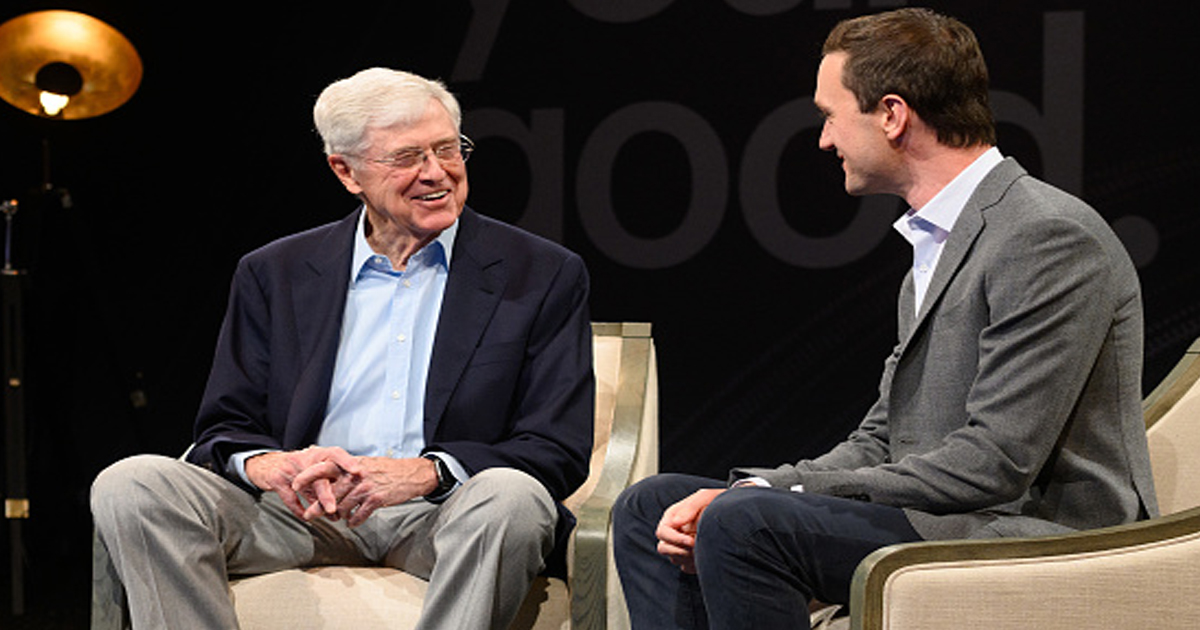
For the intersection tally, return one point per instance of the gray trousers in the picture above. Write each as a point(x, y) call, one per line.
point(168, 535)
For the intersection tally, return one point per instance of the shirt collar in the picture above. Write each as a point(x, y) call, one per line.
point(363, 251)
point(942, 211)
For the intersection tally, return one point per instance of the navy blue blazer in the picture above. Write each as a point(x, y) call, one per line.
point(510, 380)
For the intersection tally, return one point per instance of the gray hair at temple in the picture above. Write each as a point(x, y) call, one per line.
point(375, 98)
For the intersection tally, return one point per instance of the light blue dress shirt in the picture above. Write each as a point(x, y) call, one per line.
point(376, 402)
point(927, 228)
point(377, 399)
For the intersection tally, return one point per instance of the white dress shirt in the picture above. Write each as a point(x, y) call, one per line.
point(927, 228)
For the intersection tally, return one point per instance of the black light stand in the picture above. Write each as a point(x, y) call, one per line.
point(59, 65)
point(16, 501)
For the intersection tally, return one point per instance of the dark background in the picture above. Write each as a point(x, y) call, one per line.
point(763, 356)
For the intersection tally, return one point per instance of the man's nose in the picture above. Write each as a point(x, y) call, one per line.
point(824, 142)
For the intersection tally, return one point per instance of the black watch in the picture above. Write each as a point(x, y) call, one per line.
point(446, 479)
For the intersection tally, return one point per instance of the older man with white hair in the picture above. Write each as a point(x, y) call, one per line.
point(409, 386)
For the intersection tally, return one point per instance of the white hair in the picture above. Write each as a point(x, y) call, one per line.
point(375, 98)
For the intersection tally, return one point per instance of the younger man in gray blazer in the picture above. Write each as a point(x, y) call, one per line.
point(1009, 407)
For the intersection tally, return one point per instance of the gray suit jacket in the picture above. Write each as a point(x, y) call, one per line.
point(1011, 405)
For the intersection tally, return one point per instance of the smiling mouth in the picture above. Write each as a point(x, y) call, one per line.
point(433, 196)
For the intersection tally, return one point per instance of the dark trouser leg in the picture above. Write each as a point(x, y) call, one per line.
point(658, 594)
point(762, 554)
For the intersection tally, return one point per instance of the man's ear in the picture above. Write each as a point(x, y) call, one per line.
point(896, 116)
point(341, 167)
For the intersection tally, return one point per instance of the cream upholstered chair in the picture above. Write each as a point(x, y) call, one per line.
point(1138, 575)
point(625, 450)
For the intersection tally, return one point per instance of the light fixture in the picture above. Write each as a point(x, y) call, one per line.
point(68, 65)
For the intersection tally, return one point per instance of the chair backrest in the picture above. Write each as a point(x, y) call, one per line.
point(626, 429)
point(1172, 413)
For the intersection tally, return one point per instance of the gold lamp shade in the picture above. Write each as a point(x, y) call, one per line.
point(69, 54)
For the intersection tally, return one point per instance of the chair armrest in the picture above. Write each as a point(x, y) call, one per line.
point(1069, 581)
point(635, 408)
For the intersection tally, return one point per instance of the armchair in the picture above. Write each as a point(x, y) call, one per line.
point(625, 450)
point(1136, 575)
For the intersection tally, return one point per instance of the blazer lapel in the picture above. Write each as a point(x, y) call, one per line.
point(966, 230)
point(908, 298)
point(319, 291)
point(473, 290)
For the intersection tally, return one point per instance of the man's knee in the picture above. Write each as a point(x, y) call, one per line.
point(650, 496)
point(510, 497)
point(510, 486)
point(734, 516)
point(120, 485)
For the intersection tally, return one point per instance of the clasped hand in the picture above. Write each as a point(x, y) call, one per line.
point(328, 481)
point(676, 530)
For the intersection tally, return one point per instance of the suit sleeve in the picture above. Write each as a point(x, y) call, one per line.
point(233, 411)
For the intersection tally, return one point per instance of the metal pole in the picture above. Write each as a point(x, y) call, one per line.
point(16, 501)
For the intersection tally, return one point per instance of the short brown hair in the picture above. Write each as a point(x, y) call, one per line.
point(930, 60)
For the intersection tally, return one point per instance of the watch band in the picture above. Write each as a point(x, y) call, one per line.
point(446, 479)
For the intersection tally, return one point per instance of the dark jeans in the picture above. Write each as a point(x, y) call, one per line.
point(761, 554)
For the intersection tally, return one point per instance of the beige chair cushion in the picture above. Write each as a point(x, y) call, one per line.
point(357, 598)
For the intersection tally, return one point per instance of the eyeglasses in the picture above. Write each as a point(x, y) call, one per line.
point(446, 153)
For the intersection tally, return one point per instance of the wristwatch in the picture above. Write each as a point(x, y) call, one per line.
point(446, 479)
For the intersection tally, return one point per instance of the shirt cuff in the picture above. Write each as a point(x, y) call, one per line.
point(759, 482)
point(747, 482)
point(456, 467)
point(237, 463)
